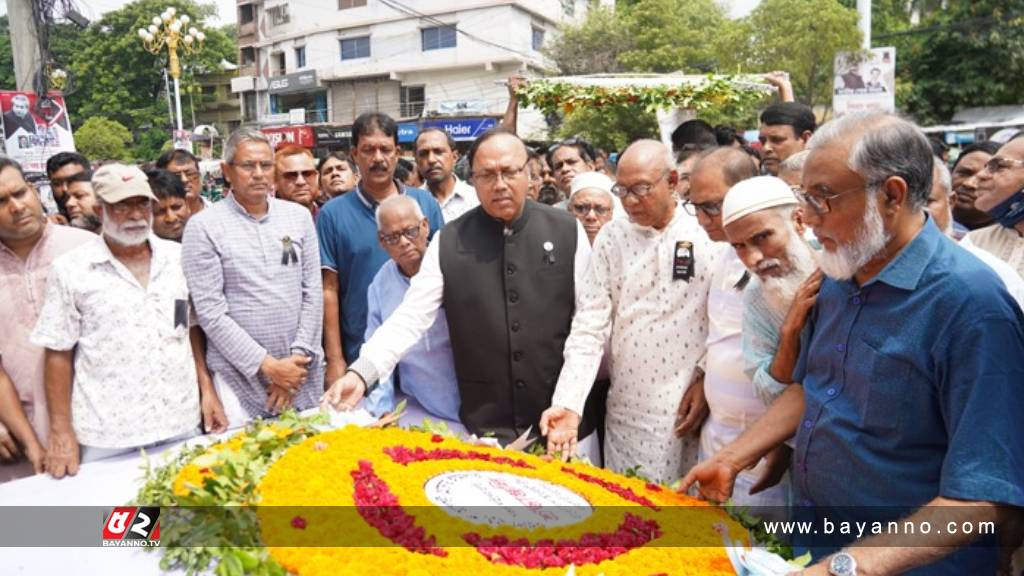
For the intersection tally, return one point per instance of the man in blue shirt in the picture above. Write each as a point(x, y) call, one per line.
point(427, 372)
point(911, 366)
point(350, 255)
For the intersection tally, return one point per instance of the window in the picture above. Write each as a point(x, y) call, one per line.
point(413, 99)
point(538, 38)
point(438, 37)
point(346, 4)
point(300, 57)
point(569, 7)
point(352, 48)
point(279, 64)
point(248, 56)
point(278, 14)
point(246, 13)
point(249, 105)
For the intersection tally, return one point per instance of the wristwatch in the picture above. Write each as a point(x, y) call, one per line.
point(842, 564)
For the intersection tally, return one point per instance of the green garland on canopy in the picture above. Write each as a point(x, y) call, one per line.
point(720, 92)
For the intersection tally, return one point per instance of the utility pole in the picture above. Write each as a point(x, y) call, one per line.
point(864, 22)
point(24, 44)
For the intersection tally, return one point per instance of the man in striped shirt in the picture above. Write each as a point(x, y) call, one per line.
point(253, 268)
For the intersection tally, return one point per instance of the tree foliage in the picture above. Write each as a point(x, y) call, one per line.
point(801, 37)
point(101, 138)
point(970, 54)
point(120, 80)
point(7, 80)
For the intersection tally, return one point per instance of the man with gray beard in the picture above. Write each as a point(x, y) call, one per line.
point(119, 368)
point(914, 351)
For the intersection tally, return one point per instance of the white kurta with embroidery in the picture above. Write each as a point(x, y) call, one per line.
point(658, 328)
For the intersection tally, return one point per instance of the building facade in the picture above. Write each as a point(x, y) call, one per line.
point(420, 61)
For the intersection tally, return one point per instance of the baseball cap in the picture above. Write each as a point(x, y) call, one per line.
point(113, 183)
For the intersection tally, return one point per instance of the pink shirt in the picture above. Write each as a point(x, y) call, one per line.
point(23, 286)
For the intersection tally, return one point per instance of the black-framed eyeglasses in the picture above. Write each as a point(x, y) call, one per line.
point(820, 204)
point(996, 165)
point(411, 233)
point(584, 209)
point(638, 190)
point(708, 208)
point(294, 174)
point(491, 178)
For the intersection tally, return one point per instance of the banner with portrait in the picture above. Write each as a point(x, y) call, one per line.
point(864, 80)
point(35, 129)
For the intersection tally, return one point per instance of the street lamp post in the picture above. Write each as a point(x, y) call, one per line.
point(172, 31)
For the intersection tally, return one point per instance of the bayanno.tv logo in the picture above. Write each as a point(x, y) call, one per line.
point(132, 527)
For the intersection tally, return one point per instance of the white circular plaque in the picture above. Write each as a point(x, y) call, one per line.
point(501, 499)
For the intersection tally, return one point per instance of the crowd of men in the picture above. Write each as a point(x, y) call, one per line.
point(825, 325)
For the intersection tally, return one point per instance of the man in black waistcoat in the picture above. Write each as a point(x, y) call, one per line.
point(506, 273)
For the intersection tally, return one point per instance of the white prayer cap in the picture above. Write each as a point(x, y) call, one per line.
point(753, 195)
point(590, 180)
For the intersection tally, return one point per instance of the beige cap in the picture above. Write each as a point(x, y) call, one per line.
point(113, 183)
point(753, 195)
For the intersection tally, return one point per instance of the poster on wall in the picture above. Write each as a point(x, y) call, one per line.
point(864, 81)
point(33, 131)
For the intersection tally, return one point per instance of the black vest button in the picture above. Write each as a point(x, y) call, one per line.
point(510, 269)
point(515, 326)
point(513, 296)
point(517, 355)
point(520, 384)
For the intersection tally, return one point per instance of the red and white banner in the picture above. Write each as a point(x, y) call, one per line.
point(33, 131)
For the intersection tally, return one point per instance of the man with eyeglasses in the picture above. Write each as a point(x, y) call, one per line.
point(1001, 196)
point(592, 201)
point(350, 254)
point(296, 178)
point(506, 274)
point(120, 372)
point(427, 372)
point(253, 267)
point(186, 166)
point(914, 351)
point(647, 290)
point(732, 401)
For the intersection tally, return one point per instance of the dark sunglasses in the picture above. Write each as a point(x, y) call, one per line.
point(294, 174)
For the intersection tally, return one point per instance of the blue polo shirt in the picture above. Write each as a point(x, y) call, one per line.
point(913, 389)
point(347, 228)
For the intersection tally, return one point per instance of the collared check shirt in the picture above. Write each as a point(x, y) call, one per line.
point(251, 299)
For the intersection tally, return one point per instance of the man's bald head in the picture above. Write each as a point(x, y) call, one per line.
point(712, 176)
point(733, 164)
point(648, 153)
point(647, 171)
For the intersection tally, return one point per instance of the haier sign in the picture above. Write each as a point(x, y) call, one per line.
point(462, 129)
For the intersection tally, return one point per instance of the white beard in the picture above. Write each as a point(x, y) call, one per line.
point(779, 292)
point(846, 260)
point(132, 237)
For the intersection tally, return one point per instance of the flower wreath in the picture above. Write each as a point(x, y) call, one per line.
point(723, 92)
point(353, 501)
